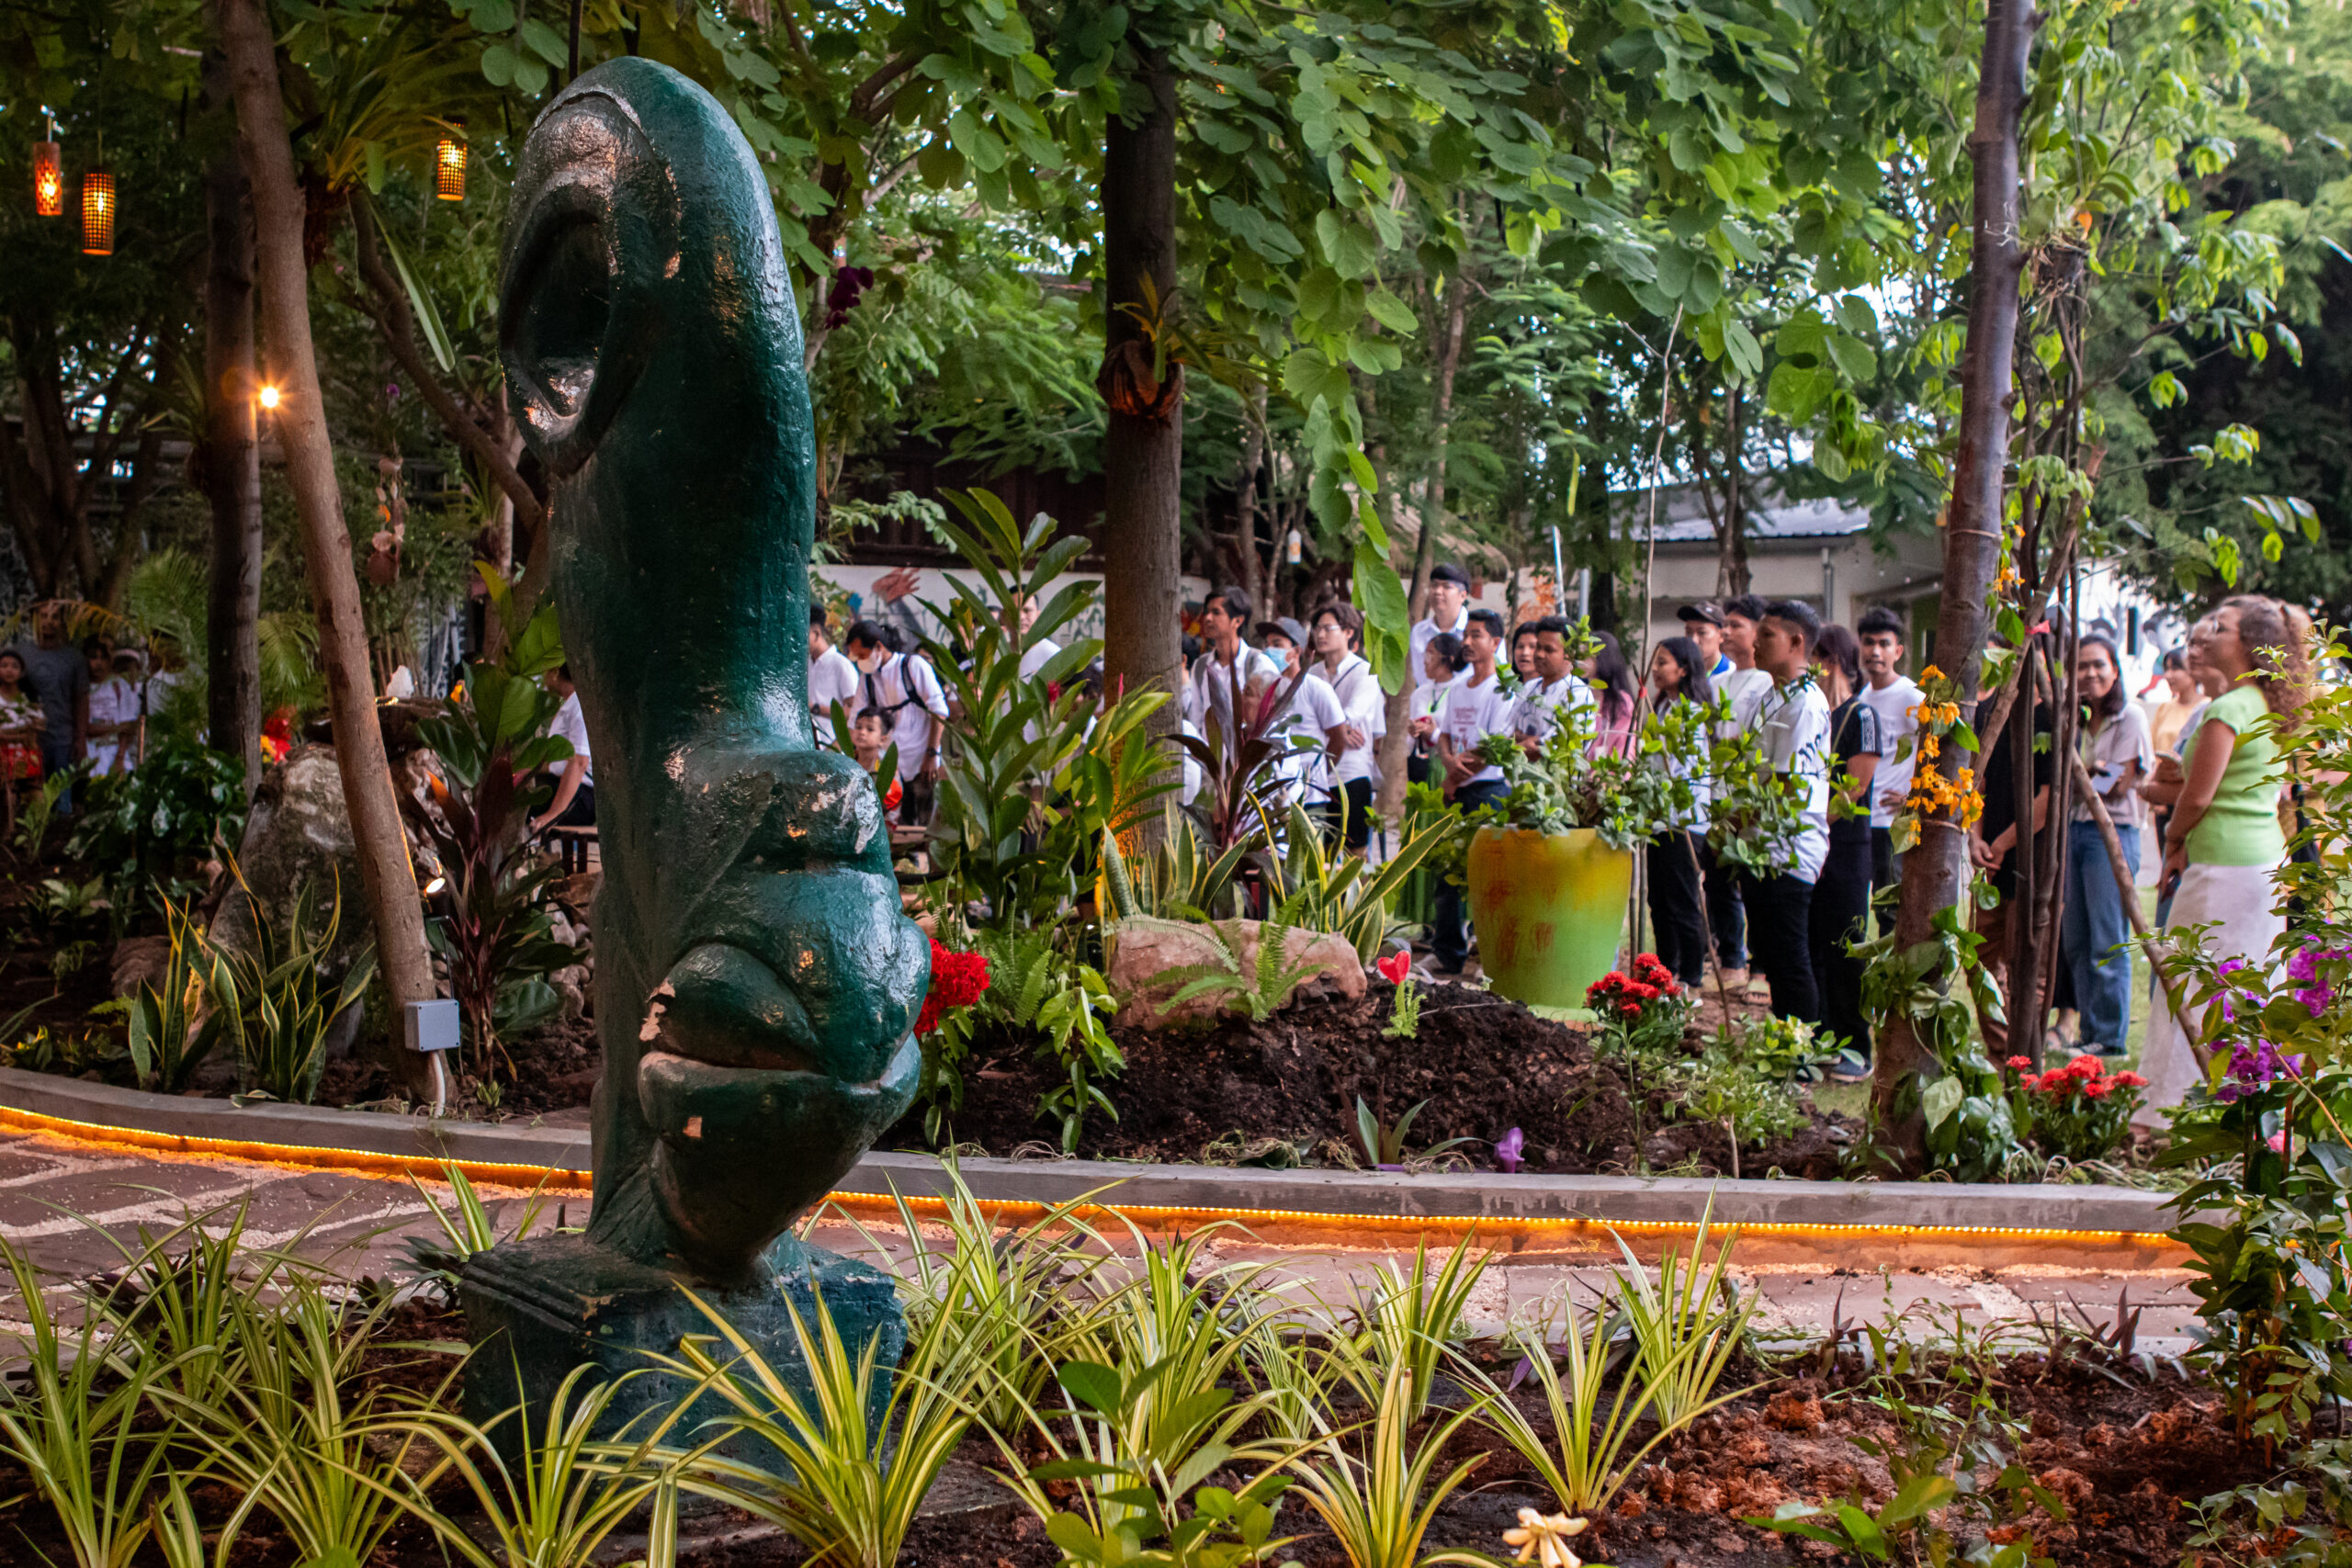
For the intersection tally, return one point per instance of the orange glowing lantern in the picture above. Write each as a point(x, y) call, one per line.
point(48, 179)
point(449, 164)
point(98, 213)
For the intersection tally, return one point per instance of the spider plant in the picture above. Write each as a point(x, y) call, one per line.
point(77, 1424)
point(1380, 1505)
point(1688, 1310)
point(292, 1433)
point(567, 1492)
point(1008, 1294)
point(844, 1495)
point(1590, 1463)
point(1146, 1415)
point(466, 1224)
point(1411, 1320)
point(174, 1291)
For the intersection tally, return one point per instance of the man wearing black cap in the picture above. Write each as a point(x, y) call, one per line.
point(1449, 611)
point(1703, 623)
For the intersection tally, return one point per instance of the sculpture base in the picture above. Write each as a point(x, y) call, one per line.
point(537, 1309)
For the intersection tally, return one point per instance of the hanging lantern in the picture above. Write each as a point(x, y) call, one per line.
point(449, 164)
point(98, 213)
point(48, 179)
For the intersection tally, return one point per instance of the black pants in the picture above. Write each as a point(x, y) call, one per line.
point(917, 797)
point(1839, 913)
point(1725, 911)
point(1882, 868)
point(1782, 907)
point(1675, 908)
point(1345, 815)
point(1450, 933)
point(580, 813)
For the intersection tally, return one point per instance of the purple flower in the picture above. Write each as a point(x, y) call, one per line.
point(2255, 1066)
point(2304, 964)
point(2316, 997)
point(1511, 1149)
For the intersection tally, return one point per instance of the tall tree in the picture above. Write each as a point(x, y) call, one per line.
point(1142, 382)
point(301, 425)
point(229, 455)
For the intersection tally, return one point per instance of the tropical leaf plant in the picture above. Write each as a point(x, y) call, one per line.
point(286, 1003)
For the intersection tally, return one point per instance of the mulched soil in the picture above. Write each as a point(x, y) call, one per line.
point(1479, 1065)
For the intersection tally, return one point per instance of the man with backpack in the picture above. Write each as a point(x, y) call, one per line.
point(906, 692)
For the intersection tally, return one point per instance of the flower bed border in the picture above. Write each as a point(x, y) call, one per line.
point(1862, 1225)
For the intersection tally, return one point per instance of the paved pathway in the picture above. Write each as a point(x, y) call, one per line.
point(72, 1208)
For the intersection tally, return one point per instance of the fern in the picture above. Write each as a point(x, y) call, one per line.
point(1260, 994)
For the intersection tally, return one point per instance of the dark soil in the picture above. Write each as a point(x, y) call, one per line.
point(1479, 1065)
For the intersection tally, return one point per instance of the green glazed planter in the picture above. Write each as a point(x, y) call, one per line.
point(1549, 910)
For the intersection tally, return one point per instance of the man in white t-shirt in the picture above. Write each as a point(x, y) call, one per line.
point(574, 804)
point(905, 690)
point(1556, 692)
point(1793, 728)
point(1348, 781)
point(1448, 596)
point(1894, 697)
point(1745, 687)
point(831, 678)
point(1229, 668)
point(1476, 707)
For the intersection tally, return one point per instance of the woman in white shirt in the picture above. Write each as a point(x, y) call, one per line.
point(1346, 780)
point(1441, 660)
point(1677, 907)
point(2094, 931)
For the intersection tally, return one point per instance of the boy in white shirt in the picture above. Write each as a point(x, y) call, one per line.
point(1793, 728)
point(1228, 666)
point(1556, 691)
point(1894, 697)
point(831, 677)
point(1476, 707)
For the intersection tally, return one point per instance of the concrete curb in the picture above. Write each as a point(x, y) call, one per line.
point(1345, 1204)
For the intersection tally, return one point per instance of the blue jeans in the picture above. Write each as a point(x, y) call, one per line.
point(2093, 932)
point(56, 756)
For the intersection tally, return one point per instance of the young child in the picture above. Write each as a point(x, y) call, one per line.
point(871, 736)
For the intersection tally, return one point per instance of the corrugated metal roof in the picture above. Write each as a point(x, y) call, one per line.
point(1682, 516)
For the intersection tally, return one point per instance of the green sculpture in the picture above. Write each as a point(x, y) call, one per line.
point(756, 981)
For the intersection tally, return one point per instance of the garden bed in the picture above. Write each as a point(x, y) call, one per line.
point(1283, 1091)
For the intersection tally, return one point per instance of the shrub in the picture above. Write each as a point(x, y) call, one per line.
point(2080, 1111)
point(146, 831)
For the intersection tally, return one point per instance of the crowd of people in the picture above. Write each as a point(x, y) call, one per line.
point(63, 705)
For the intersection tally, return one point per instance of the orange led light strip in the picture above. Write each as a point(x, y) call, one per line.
point(369, 1163)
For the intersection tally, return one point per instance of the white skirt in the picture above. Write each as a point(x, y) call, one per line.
point(2244, 899)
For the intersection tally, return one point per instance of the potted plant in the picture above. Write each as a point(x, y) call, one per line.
point(1551, 865)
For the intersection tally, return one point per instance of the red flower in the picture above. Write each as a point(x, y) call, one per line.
point(1633, 1010)
point(2097, 1088)
point(1394, 968)
point(2021, 1064)
point(2086, 1066)
point(2129, 1080)
point(957, 979)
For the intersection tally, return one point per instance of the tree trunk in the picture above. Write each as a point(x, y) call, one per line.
point(231, 454)
point(1144, 458)
point(1398, 740)
point(1932, 870)
point(1245, 503)
point(1733, 570)
point(388, 880)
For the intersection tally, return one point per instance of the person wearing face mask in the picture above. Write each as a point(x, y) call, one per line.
point(1449, 612)
point(2224, 840)
point(2094, 932)
point(905, 690)
point(1476, 707)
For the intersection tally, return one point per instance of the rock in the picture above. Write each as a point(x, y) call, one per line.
point(1794, 1410)
point(298, 835)
point(140, 961)
point(1145, 948)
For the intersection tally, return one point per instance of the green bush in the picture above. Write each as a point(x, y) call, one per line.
point(146, 831)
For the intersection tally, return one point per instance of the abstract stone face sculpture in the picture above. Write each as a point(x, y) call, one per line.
point(756, 981)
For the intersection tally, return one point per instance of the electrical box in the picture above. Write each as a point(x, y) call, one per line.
point(430, 1026)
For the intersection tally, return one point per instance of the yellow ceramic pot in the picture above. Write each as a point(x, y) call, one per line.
point(1549, 910)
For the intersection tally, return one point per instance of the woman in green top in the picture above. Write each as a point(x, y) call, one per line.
point(2224, 842)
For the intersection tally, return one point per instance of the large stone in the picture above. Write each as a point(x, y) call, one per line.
point(297, 834)
point(1144, 949)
